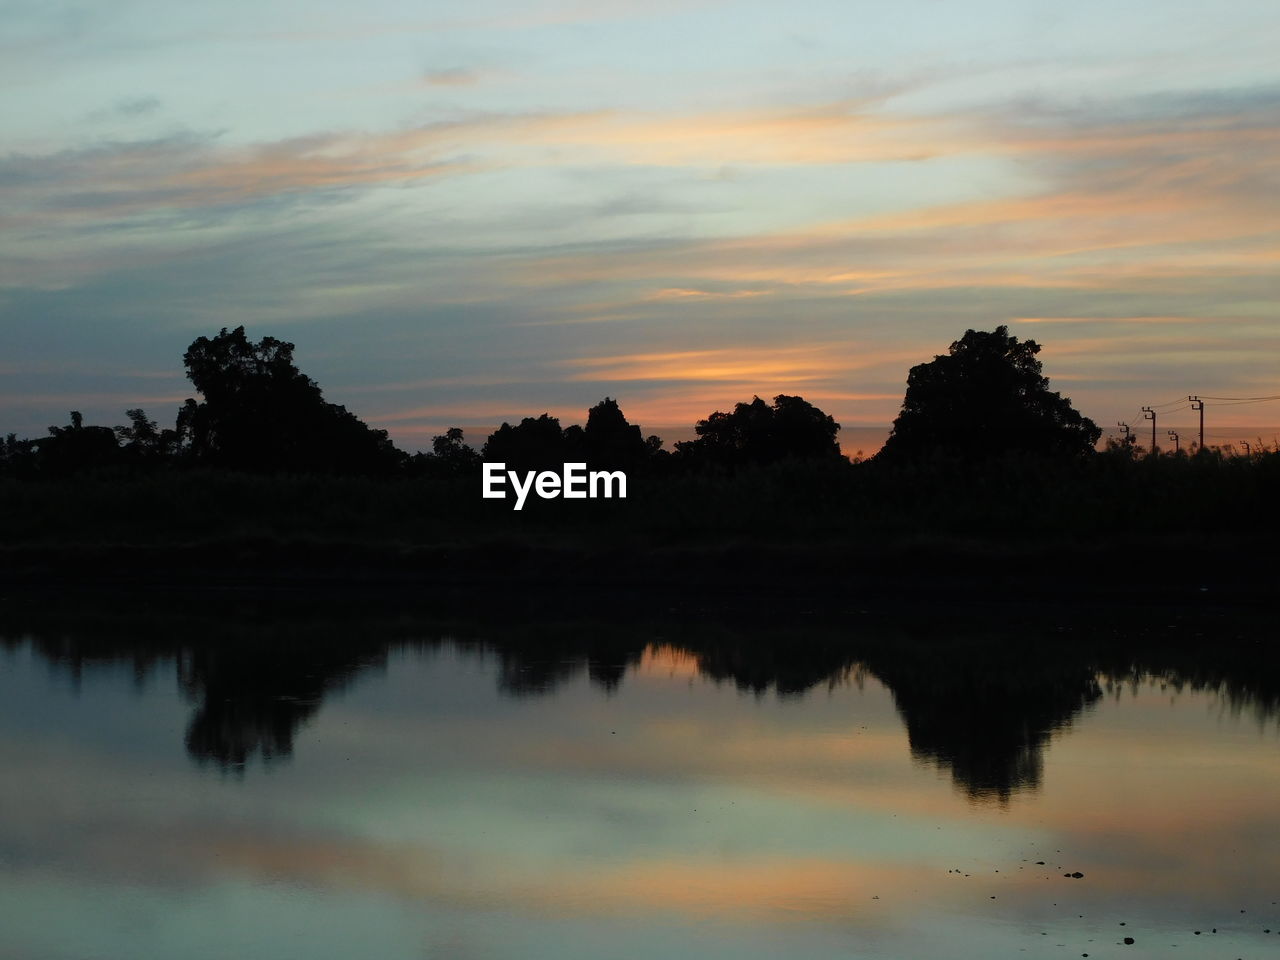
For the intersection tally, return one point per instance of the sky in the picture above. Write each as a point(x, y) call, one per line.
point(469, 213)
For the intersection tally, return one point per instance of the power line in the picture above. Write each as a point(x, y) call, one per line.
point(1165, 413)
point(1244, 399)
point(1195, 403)
point(1236, 403)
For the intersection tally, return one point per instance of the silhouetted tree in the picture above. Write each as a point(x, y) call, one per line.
point(18, 457)
point(451, 447)
point(261, 413)
point(612, 442)
point(1124, 447)
point(449, 457)
point(987, 397)
point(574, 444)
point(76, 448)
point(537, 443)
point(607, 441)
point(144, 441)
point(757, 433)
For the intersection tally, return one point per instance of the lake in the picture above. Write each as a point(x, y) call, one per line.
point(214, 777)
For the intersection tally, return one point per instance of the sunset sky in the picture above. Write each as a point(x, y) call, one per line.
point(469, 213)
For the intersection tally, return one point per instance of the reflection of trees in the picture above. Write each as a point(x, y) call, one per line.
point(982, 710)
point(979, 704)
point(777, 660)
point(985, 715)
point(250, 701)
point(254, 674)
point(539, 665)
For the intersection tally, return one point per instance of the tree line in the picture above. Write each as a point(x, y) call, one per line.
point(985, 398)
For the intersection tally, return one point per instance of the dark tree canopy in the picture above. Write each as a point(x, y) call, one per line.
point(261, 413)
point(987, 398)
point(607, 441)
point(76, 447)
point(144, 441)
point(611, 442)
point(536, 443)
point(757, 433)
point(452, 447)
point(450, 456)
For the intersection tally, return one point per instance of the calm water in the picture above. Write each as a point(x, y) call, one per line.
point(206, 787)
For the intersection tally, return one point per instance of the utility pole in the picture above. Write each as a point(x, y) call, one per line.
point(1177, 447)
point(1198, 404)
point(1128, 434)
point(1149, 414)
point(1248, 450)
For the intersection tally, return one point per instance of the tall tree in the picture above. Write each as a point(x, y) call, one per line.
point(611, 442)
point(261, 413)
point(987, 397)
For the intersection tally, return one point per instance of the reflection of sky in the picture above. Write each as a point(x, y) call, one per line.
point(423, 814)
point(464, 216)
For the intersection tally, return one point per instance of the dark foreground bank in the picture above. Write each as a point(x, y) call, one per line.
point(1110, 525)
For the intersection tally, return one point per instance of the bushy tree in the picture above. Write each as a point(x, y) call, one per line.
point(18, 458)
point(449, 457)
point(76, 448)
point(607, 441)
point(758, 433)
point(261, 413)
point(143, 441)
point(536, 443)
point(987, 397)
point(611, 442)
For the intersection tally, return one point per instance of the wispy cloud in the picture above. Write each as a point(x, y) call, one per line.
point(188, 171)
point(1103, 174)
point(130, 108)
point(1123, 321)
point(450, 77)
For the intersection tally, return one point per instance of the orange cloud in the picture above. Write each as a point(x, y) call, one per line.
point(450, 77)
point(683, 293)
point(760, 364)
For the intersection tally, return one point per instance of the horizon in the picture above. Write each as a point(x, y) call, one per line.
point(855, 439)
point(871, 437)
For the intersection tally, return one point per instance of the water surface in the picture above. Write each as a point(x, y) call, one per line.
point(209, 786)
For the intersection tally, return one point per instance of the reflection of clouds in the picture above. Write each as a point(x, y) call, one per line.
point(682, 794)
point(672, 861)
point(813, 852)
